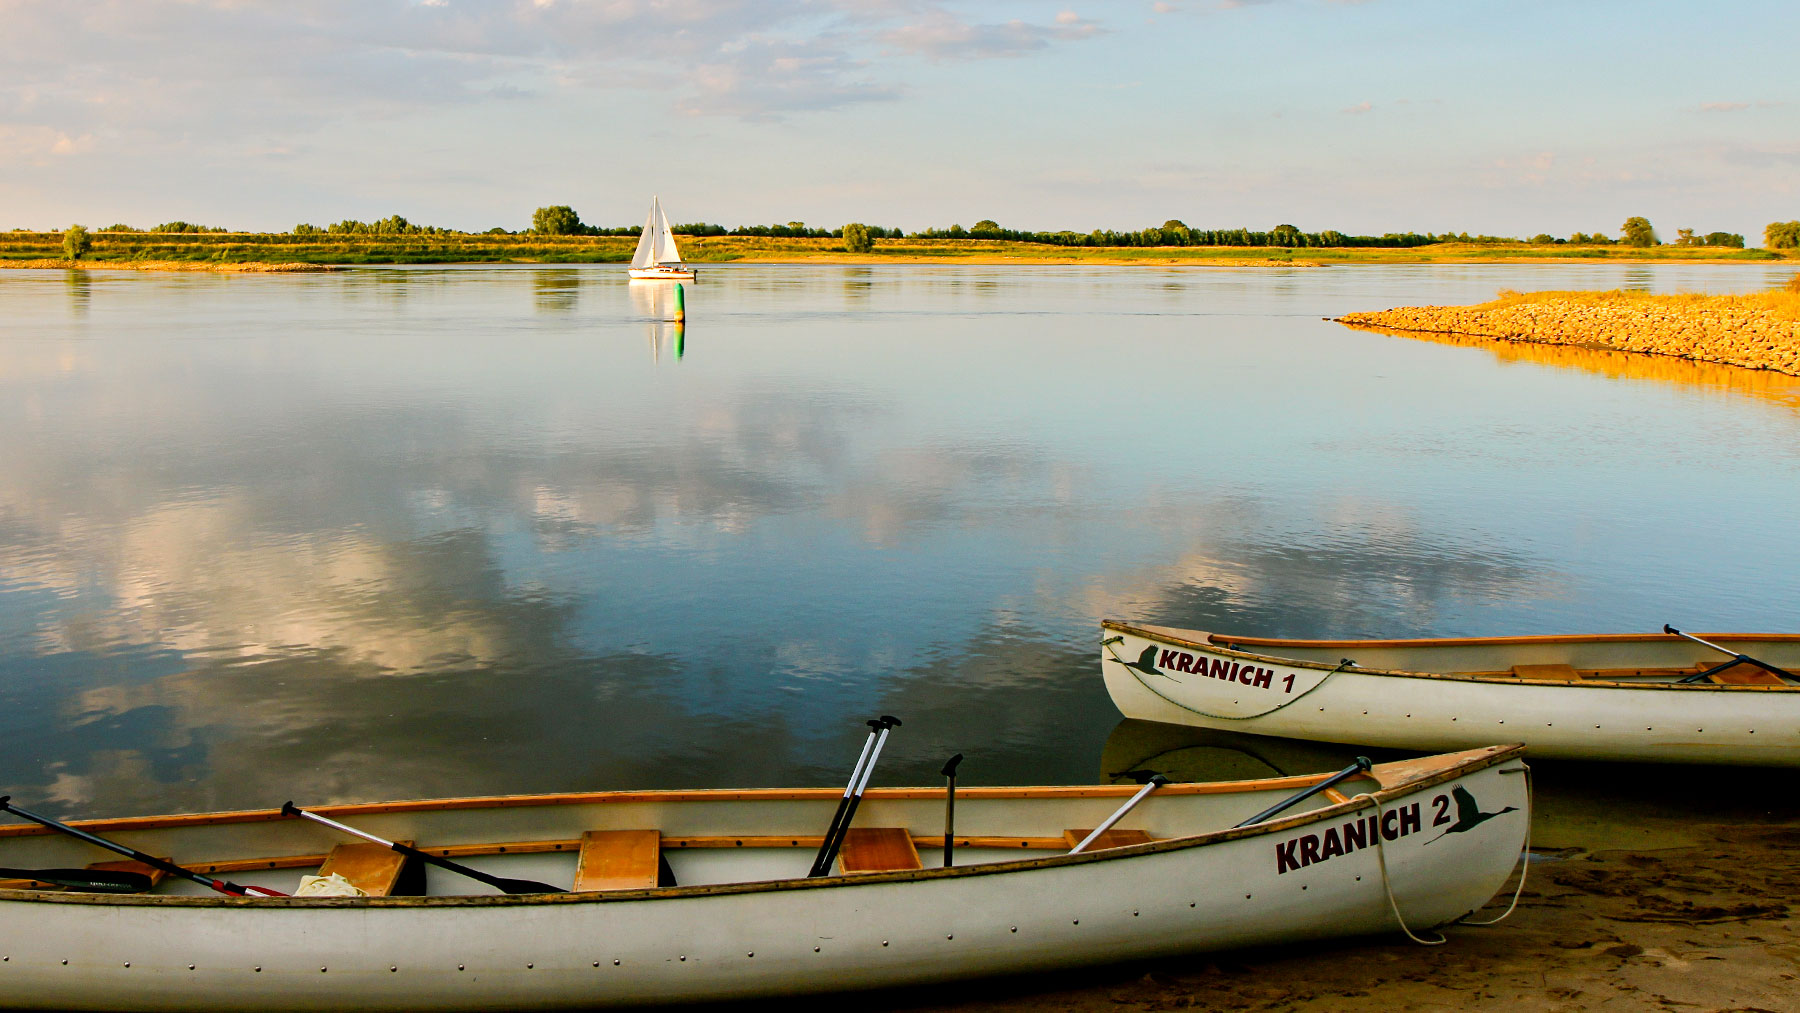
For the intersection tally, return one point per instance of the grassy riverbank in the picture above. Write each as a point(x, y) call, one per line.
point(1759, 330)
point(119, 249)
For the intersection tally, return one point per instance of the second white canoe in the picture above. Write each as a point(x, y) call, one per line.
point(1611, 697)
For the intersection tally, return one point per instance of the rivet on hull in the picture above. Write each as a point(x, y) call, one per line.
point(615, 963)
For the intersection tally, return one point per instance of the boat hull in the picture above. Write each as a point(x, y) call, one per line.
point(655, 274)
point(1294, 879)
point(1433, 711)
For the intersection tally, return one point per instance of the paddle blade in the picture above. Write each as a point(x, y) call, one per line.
point(84, 880)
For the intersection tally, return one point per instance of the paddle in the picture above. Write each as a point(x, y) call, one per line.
point(500, 883)
point(223, 886)
point(875, 727)
point(1362, 765)
point(1736, 658)
point(84, 880)
point(833, 843)
point(949, 773)
point(1153, 782)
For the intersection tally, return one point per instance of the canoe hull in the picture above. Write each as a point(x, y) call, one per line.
point(1300, 878)
point(1701, 724)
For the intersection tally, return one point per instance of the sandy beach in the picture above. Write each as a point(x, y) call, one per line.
point(1758, 331)
point(1636, 901)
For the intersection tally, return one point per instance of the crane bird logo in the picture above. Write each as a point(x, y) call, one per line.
point(1468, 814)
point(1146, 663)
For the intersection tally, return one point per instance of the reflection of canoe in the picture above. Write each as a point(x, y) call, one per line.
point(742, 923)
point(1617, 697)
point(1189, 753)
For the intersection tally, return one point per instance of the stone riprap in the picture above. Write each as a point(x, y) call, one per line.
point(1755, 331)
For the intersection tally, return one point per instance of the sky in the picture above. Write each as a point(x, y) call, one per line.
point(1508, 118)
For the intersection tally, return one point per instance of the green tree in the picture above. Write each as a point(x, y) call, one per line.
point(1782, 236)
point(985, 225)
point(76, 242)
point(1284, 235)
point(1730, 239)
point(556, 220)
point(1637, 232)
point(1543, 239)
point(1686, 237)
point(857, 239)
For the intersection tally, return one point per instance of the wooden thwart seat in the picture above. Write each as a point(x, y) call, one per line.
point(1113, 838)
point(877, 849)
point(1741, 675)
point(372, 868)
point(618, 860)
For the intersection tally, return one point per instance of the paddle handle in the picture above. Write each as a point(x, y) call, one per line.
point(223, 886)
point(1156, 781)
point(500, 883)
point(1362, 765)
point(875, 727)
point(1737, 659)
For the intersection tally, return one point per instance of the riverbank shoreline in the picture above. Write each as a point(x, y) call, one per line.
point(119, 248)
point(246, 267)
point(1756, 331)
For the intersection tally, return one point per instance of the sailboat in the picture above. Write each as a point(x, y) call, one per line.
point(656, 258)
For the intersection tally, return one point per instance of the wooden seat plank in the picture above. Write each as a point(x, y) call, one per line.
point(1742, 675)
point(1113, 838)
point(1547, 673)
point(877, 849)
point(618, 860)
point(372, 868)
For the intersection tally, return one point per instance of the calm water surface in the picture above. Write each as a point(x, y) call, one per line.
point(414, 532)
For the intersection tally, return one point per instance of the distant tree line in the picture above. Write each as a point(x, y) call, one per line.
point(562, 220)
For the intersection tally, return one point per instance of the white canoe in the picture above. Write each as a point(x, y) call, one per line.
point(1612, 697)
point(743, 922)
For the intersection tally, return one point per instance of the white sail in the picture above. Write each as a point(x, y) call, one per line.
point(666, 253)
point(645, 255)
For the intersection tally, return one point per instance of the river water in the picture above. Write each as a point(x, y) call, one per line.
point(435, 531)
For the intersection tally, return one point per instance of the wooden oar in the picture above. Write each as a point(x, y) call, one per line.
point(500, 883)
point(1736, 658)
point(832, 844)
point(84, 880)
point(223, 886)
point(831, 829)
point(1361, 766)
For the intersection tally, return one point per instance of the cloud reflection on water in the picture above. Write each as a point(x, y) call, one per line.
point(446, 532)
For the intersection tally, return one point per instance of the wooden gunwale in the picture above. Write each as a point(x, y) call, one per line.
point(130, 823)
point(1166, 635)
point(1447, 767)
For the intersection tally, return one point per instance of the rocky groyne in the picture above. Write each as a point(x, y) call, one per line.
point(1760, 331)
